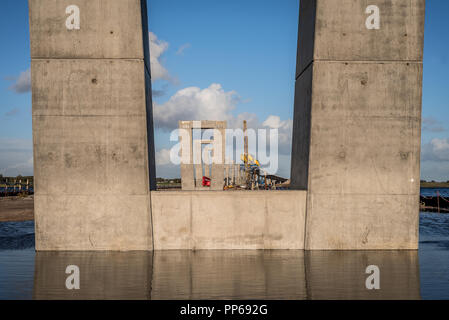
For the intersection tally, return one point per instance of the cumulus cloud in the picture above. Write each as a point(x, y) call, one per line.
point(183, 48)
point(157, 49)
point(164, 167)
point(22, 83)
point(435, 160)
point(210, 103)
point(16, 157)
point(431, 124)
point(285, 129)
point(163, 157)
point(215, 103)
point(193, 103)
point(436, 150)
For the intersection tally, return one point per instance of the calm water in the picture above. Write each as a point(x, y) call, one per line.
point(228, 274)
point(444, 192)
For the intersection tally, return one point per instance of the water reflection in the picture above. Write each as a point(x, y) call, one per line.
point(103, 275)
point(232, 274)
point(341, 275)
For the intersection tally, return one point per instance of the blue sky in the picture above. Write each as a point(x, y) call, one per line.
point(240, 54)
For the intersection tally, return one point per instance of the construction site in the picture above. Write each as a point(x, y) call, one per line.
point(200, 172)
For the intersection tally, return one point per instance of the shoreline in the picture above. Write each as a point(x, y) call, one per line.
point(434, 185)
point(16, 209)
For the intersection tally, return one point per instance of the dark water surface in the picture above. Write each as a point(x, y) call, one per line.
point(432, 192)
point(226, 274)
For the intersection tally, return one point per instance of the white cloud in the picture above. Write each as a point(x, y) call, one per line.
point(183, 48)
point(22, 83)
point(164, 167)
point(436, 150)
point(163, 157)
point(285, 129)
point(214, 103)
point(273, 122)
point(157, 49)
point(435, 160)
point(16, 157)
point(193, 103)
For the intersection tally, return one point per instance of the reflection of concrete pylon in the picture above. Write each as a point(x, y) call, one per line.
point(195, 158)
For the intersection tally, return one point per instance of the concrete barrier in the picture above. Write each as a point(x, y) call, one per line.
point(228, 220)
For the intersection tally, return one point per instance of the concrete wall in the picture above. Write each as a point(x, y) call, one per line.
point(92, 126)
point(228, 220)
point(357, 123)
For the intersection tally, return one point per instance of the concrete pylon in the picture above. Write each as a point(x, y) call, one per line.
point(92, 124)
point(357, 122)
point(192, 163)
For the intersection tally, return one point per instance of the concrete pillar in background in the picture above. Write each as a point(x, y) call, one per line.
point(218, 173)
point(92, 124)
point(357, 122)
point(187, 167)
point(191, 135)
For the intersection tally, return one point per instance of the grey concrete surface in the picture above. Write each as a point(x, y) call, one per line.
point(357, 124)
point(335, 30)
point(192, 160)
point(92, 222)
point(92, 126)
point(108, 29)
point(228, 220)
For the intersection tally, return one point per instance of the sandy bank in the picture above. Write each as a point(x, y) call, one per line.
point(16, 209)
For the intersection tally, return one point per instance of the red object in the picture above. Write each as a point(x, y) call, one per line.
point(206, 181)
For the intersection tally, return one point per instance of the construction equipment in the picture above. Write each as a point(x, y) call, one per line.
point(254, 177)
